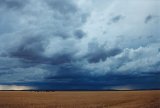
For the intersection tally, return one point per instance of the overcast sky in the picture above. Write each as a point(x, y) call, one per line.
point(79, 44)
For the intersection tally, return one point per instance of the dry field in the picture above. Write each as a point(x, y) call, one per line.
point(92, 99)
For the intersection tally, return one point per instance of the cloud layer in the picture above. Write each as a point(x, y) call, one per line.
point(14, 87)
point(48, 43)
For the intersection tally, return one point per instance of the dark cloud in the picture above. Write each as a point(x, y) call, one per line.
point(62, 34)
point(116, 19)
point(13, 4)
point(30, 48)
point(49, 45)
point(97, 53)
point(102, 54)
point(148, 18)
point(3, 72)
point(79, 34)
point(68, 72)
point(34, 44)
point(62, 6)
point(61, 59)
point(90, 82)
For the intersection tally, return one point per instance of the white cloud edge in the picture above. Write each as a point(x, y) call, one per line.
point(15, 87)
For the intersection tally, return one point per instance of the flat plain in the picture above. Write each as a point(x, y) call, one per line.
point(80, 99)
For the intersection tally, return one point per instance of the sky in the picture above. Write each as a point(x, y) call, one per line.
point(79, 44)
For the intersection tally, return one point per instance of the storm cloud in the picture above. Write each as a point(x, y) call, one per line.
point(67, 44)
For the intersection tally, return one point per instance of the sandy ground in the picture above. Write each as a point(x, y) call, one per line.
point(85, 99)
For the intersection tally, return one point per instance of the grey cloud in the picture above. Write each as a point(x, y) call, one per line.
point(61, 59)
point(49, 43)
point(133, 61)
point(35, 41)
point(115, 19)
point(24, 46)
point(97, 53)
point(79, 34)
point(19, 70)
point(31, 48)
point(141, 59)
point(69, 19)
point(62, 6)
point(148, 18)
point(13, 4)
point(24, 50)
